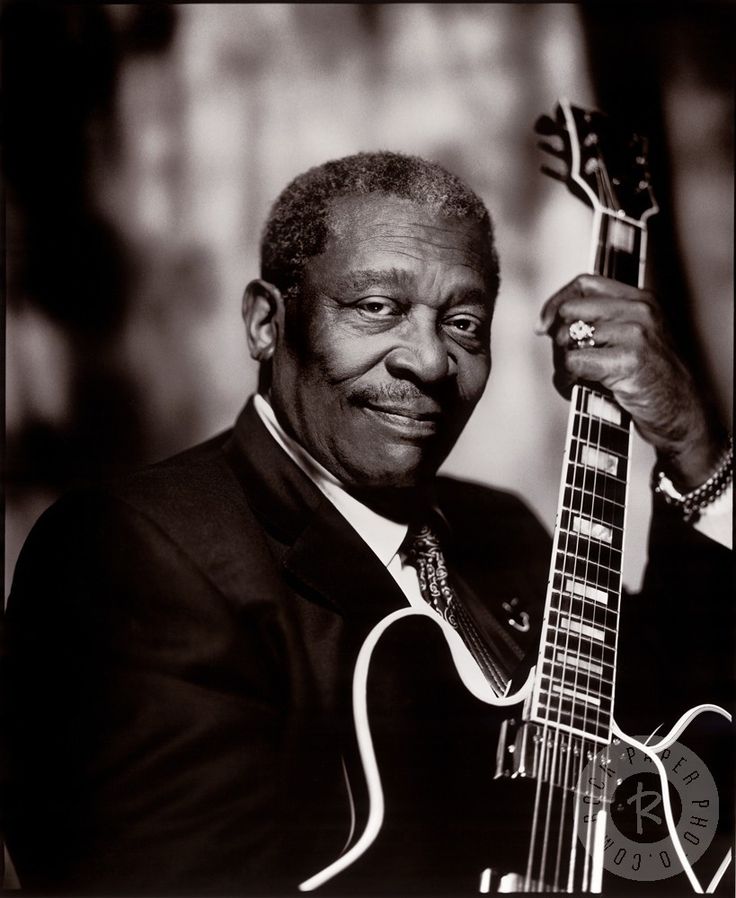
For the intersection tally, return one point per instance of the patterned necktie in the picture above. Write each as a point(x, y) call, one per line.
point(425, 555)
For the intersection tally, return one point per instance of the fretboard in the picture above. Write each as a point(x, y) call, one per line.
point(575, 682)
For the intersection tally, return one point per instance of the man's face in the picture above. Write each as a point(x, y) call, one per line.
point(387, 351)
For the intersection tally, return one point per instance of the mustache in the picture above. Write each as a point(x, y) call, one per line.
point(401, 392)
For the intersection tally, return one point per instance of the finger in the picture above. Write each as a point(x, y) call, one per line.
point(546, 125)
point(598, 311)
point(602, 365)
point(605, 333)
point(587, 287)
point(557, 174)
point(555, 146)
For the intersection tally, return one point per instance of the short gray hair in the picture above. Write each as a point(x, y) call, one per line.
point(298, 225)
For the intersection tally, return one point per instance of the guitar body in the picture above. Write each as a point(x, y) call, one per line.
point(447, 815)
point(434, 744)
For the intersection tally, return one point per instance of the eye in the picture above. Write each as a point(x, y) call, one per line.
point(377, 307)
point(466, 324)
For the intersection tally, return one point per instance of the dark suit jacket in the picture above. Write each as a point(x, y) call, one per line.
point(179, 655)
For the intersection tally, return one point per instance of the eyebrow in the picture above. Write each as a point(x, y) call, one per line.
point(368, 277)
point(363, 279)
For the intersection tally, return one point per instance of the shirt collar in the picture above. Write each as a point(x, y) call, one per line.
point(382, 535)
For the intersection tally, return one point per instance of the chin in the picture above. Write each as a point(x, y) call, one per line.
point(401, 470)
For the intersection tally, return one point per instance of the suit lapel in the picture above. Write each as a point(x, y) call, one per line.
point(320, 551)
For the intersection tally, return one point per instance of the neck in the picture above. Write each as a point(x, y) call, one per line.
point(403, 505)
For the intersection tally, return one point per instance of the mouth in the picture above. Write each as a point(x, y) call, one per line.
point(411, 421)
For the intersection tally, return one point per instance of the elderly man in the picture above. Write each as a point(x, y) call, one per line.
point(181, 644)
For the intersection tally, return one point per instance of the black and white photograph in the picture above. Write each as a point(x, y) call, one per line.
point(368, 449)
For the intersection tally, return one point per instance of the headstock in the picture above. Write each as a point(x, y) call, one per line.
point(605, 167)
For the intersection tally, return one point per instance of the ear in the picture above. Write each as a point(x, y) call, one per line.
point(263, 314)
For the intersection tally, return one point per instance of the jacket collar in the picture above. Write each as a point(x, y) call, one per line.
point(318, 547)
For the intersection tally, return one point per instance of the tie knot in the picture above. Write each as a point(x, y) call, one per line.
point(421, 541)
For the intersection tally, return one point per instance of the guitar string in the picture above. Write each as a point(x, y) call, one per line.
point(613, 610)
point(589, 818)
point(572, 461)
point(586, 571)
point(585, 565)
point(606, 269)
point(565, 780)
point(611, 272)
point(574, 576)
point(603, 269)
point(637, 251)
point(604, 262)
point(584, 393)
point(585, 750)
point(529, 875)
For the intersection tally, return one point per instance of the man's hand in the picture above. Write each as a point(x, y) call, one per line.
point(634, 358)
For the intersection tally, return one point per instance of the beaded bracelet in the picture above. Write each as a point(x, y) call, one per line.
point(691, 504)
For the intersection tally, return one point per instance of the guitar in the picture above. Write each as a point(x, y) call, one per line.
point(558, 757)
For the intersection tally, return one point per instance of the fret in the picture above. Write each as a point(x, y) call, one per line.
point(585, 590)
point(594, 724)
point(591, 553)
point(602, 433)
point(571, 676)
point(564, 709)
point(593, 575)
point(579, 624)
point(587, 610)
point(580, 586)
point(583, 564)
point(567, 661)
point(573, 625)
point(563, 599)
point(595, 405)
point(576, 525)
point(577, 514)
point(569, 696)
point(597, 510)
point(591, 456)
point(595, 481)
point(576, 692)
point(601, 506)
point(581, 646)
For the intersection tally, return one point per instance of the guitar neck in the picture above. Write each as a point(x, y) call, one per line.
point(575, 683)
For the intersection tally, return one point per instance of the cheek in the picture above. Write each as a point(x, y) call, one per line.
point(337, 354)
point(473, 376)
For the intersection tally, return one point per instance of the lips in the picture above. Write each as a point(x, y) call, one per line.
point(415, 411)
point(410, 421)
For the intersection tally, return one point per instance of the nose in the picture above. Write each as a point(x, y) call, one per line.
point(421, 355)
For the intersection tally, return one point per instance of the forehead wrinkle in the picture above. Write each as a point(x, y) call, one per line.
point(413, 237)
point(366, 277)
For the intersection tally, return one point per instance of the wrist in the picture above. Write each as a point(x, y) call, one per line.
point(692, 500)
point(691, 462)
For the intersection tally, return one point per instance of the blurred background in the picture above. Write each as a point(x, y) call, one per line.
point(144, 144)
